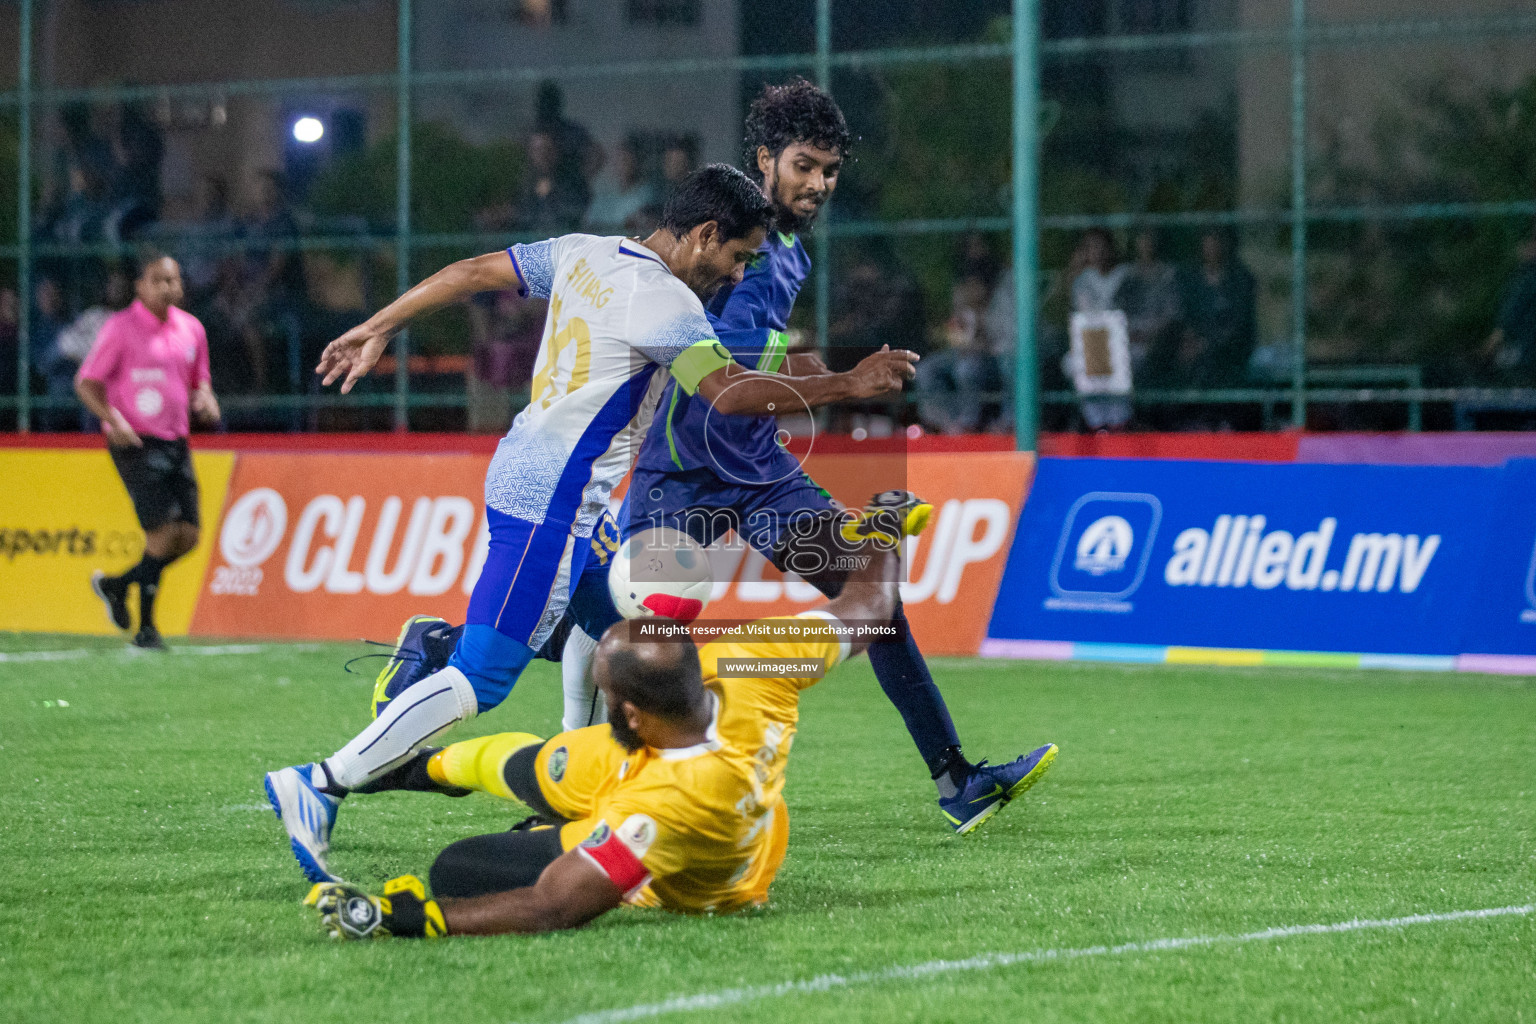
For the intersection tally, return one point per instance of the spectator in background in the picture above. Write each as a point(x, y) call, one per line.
point(677, 162)
point(135, 189)
point(1096, 289)
point(507, 332)
point(74, 343)
point(1150, 297)
point(578, 157)
point(275, 284)
point(8, 332)
point(621, 196)
point(82, 167)
point(49, 318)
point(959, 387)
point(1511, 349)
point(214, 223)
point(550, 202)
point(1218, 299)
point(874, 303)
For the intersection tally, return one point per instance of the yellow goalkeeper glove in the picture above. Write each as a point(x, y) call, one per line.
point(348, 912)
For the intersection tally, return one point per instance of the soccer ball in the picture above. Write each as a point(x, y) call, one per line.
point(660, 571)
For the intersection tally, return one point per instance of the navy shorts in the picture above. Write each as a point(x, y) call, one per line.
point(705, 507)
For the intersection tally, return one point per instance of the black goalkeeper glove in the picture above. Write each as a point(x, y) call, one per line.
point(348, 912)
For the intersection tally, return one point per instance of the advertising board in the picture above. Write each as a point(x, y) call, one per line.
point(64, 514)
point(343, 546)
point(1380, 559)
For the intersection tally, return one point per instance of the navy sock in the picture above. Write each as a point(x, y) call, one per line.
point(904, 676)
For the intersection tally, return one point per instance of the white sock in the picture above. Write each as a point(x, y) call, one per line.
point(420, 712)
point(584, 705)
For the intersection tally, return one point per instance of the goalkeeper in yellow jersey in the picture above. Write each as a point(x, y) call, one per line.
point(676, 803)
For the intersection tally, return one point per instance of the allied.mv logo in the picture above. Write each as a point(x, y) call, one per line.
point(1102, 554)
point(1104, 546)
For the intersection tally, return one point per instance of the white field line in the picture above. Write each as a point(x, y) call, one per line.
point(134, 652)
point(989, 961)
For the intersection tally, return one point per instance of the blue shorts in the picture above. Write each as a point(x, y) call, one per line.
point(705, 507)
point(533, 572)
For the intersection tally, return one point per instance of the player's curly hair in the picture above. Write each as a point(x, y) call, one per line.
point(795, 112)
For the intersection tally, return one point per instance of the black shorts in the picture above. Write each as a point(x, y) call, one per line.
point(160, 481)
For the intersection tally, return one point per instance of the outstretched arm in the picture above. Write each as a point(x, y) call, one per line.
point(353, 354)
point(738, 391)
point(569, 893)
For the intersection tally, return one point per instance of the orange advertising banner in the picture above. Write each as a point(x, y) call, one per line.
point(344, 546)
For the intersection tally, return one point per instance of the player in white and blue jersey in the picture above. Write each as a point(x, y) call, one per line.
point(625, 318)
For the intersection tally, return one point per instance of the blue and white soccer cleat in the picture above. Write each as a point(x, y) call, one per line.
point(307, 815)
point(424, 646)
point(989, 787)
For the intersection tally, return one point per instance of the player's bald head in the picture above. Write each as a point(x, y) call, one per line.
point(659, 676)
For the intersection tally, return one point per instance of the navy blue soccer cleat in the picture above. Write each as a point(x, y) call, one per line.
point(989, 787)
point(307, 815)
point(424, 646)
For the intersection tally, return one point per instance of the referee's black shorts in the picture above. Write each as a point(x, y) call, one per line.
point(159, 480)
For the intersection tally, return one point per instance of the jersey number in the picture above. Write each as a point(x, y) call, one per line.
point(558, 373)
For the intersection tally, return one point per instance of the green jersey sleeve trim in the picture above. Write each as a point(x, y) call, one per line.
point(698, 361)
point(774, 351)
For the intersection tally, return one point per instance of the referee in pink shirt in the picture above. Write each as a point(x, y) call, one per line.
point(146, 374)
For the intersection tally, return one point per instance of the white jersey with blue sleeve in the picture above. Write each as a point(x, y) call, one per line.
point(619, 319)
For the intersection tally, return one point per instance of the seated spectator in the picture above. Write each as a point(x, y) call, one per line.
point(578, 156)
point(619, 198)
point(1150, 297)
point(8, 332)
point(73, 343)
point(49, 317)
point(1220, 327)
point(960, 387)
point(1220, 318)
point(677, 162)
point(507, 332)
point(1096, 289)
point(552, 200)
point(135, 187)
point(1511, 349)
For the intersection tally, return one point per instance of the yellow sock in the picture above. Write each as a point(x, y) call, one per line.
point(477, 764)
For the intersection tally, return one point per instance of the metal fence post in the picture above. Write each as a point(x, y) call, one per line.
point(1026, 212)
point(403, 209)
point(1299, 213)
point(823, 241)
point(24, 226)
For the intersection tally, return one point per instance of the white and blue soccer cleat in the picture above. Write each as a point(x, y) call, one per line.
point(307, 815)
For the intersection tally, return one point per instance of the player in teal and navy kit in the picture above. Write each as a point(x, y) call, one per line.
point(732, 469)
point(706, 473)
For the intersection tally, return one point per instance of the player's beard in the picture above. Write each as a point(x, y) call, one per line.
point(624, 735)
point(784, 215)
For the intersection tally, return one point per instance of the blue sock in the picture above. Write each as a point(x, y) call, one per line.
point(491, 661)
point(904, 676)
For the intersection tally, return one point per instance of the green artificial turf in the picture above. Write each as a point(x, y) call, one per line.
point(146, 881)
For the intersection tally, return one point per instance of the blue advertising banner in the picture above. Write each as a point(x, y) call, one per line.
point(1501, 615)
point(1324, 558)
